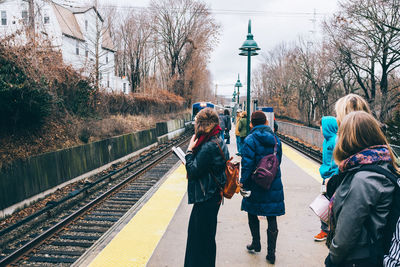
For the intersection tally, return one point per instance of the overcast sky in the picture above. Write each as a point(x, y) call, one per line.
point(273, 22)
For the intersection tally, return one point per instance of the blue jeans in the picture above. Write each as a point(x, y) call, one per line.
point(238, 144)
point(324, 227)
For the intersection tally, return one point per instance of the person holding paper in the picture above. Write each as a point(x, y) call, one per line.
point(205, 168)
point(328, 167)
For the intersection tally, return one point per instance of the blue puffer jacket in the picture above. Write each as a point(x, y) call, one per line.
point(329, 130)
point(259, 143)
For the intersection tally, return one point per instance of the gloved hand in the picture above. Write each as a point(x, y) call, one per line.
point(245, 193)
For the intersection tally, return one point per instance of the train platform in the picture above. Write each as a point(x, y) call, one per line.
point(154, 232)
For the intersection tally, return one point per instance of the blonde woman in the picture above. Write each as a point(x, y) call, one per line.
point(344, 106)
point(360, 206)
point(349, 103)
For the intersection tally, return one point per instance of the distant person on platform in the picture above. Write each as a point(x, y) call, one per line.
point(228, 126)
point(270, 203)
point(242, 128)
point(205, 169)
point(222, 121)
point(237, 133)
point(328, 168)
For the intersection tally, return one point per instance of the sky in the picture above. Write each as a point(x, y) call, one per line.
point(273, 22)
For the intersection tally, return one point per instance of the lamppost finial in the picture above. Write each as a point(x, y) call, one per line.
point(249, 25)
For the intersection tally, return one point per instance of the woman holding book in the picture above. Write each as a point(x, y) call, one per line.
point(205, 168)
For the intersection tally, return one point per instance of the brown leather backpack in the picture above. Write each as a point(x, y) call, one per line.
point(232, 184)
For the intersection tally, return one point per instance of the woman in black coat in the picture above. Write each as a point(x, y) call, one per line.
point(205, 168)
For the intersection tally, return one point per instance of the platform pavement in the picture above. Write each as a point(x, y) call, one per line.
point(295, 245)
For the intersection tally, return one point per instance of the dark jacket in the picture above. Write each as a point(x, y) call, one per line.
point(227, 123)
point(258, 144)
point(199, 166)
point(360, 208)
point(222, 121)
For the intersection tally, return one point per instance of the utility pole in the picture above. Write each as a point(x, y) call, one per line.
point(31, 11)
point(314, 30)
point(216, 93)
point(97, 52)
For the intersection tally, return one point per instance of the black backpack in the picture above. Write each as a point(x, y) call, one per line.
point(394, 213)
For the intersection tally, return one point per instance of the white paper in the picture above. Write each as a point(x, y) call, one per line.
point(179, 152)
point(320, 206)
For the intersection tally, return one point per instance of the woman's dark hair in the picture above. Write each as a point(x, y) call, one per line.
point(206, 120)
point(226, 112)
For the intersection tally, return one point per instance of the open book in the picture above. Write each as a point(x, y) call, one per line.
point(181, 155)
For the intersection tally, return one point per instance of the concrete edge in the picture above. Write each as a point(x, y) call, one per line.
point(10, 210)
point(106, 238)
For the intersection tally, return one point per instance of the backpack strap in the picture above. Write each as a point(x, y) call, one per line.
point(276, 145)
point(220, 150)
point(215, 179)
point(378, 169)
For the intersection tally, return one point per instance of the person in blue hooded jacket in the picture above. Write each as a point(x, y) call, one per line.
point(329, 128)
point(270, 203)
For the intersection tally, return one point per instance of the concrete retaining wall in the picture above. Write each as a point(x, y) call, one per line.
point(307, 134)
point(24, 179)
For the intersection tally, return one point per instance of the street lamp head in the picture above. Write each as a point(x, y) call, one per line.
point(244, 53)
point(238, 83)
point(249, 44)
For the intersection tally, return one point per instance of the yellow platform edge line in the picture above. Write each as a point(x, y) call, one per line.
point(309, 166)
point(134, 245)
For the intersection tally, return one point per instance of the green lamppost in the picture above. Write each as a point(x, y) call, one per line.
point(249, 49)
point(234, 95)
point(238, 85)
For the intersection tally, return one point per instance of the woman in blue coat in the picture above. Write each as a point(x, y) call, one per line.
point(270, 203)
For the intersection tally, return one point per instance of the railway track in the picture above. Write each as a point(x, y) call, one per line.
point(306, 150)
point(73, 227)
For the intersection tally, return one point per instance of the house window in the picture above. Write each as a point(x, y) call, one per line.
point(86, 50)
point(46, 17)
point(77, 48)
point(108, 79)
point(107, 57)
point(101, 75)
point(86, 25)
point(25, 16)
point(124, 88)
point(3, 18)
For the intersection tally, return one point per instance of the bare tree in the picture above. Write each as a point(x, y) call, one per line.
point(316, 66)
point(184, 28)
point(365, 32)
point(135, 33)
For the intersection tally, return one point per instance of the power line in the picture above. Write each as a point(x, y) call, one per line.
point(232, 11)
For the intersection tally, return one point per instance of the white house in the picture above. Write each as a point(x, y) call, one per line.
point(74, 31)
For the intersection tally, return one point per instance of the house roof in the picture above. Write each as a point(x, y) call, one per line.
point(67, 21)
point(107, 42)
point(70, 27)
point(78, 10)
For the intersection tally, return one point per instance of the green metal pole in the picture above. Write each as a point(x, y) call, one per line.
point(248, 90)
point(238, 94)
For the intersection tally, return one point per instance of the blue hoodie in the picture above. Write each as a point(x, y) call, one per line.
point(329, 130)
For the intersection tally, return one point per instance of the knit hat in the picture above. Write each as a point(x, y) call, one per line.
point(258, 118)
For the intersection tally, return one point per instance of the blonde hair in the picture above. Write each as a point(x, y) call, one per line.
point(206, 120)
point(349, 103)
point(359, 130)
